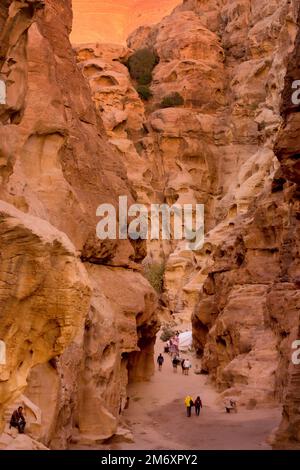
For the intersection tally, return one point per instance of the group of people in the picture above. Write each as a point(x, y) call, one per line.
point(172, 346)
point(189, 403)
point(185, 365)
point(176, 361)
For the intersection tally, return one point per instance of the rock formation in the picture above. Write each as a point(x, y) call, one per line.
point(75, 133)
point(229, 63)
point(65, 334)
point(288, 434)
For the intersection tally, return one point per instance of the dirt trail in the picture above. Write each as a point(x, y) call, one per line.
point(158, 419)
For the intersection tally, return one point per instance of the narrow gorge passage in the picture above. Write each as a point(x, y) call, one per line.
point(157, 415)
point(163, 110)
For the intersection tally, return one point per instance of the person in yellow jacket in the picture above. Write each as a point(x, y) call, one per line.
point(188, 403)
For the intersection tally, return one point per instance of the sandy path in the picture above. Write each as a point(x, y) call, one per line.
point(158, 419)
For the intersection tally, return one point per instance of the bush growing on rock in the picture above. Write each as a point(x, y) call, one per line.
point(144, 92)
point(141, 65)
point(172, 100)
point(145, 79)
point(155, 274)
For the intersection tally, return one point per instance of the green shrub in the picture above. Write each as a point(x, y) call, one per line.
point(145, 79)
point(144, 92)
point(167, 333)
point(155, 274)
point(141, 65)
point(172, 100)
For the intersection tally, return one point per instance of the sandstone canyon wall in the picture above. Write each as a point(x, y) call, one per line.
point(74, 135)
point(287, 147)
point(229, 62)
point(69, 342)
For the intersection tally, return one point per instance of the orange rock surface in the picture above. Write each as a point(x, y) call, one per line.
point(112, 20)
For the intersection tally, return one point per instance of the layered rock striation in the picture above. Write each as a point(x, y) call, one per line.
point(286, 149)
point(75, 132)
point(66, 337)
point(232, 146)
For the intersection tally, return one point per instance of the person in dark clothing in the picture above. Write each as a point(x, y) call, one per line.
point(160, 361)
point(175, 363)
point(17, 420)
point(198, 405)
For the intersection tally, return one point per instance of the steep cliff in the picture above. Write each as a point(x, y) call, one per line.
point(247, 313)
point(58, 281)
point(228, 62)
point(286, 149)
point(75, 133)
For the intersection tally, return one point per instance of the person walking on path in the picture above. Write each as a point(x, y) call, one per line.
point(160, 361)
point(175, 362)
point(187, 365)
point(198, 405)
point(182, 365)
point(188, 403)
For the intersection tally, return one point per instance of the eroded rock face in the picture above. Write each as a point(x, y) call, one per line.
point(84, 391)
point(56, 168)
point(249, 306)
point(56, 127)
point(248, 313)
point(288, 435)
point(229, 64)
point(44, 296)
point(248, 264)
point(166, 151)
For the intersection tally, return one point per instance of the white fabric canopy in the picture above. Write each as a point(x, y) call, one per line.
point(2, 92)
point(185, 340)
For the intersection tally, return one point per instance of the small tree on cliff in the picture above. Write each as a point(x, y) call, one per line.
point(172, 100)
point(154, 272)
point(141, 65)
